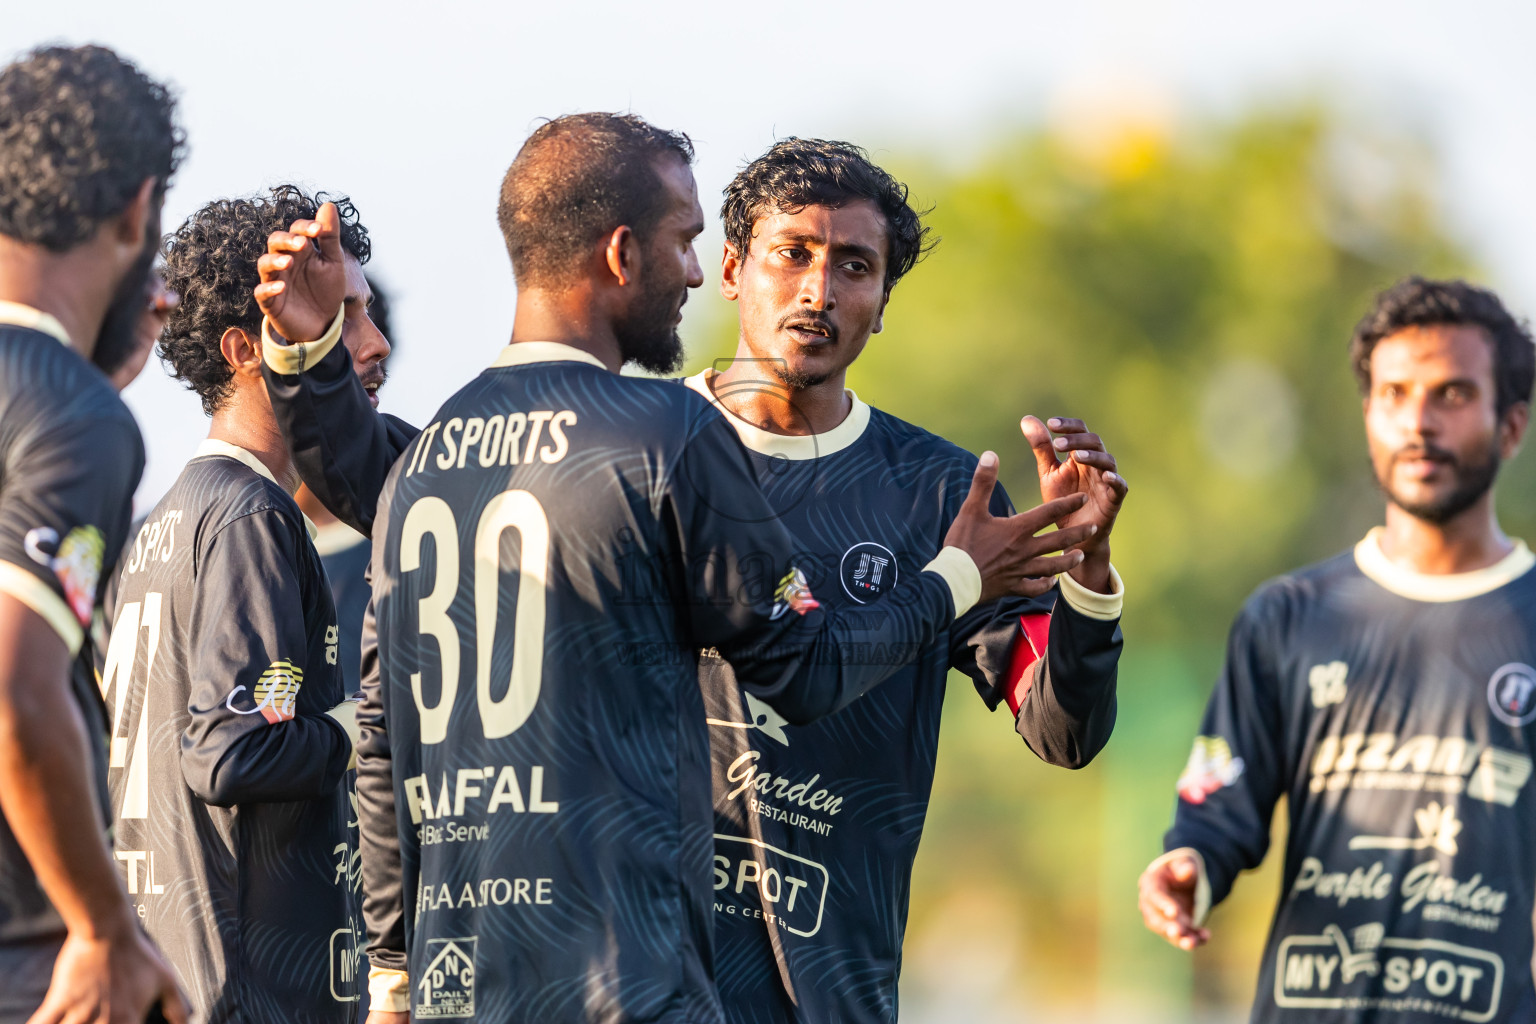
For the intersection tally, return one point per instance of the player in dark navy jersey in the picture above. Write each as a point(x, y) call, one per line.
point(231, 734)
point(549, 555)
point(817, 825)
point(1389, 694)
point(88, 146)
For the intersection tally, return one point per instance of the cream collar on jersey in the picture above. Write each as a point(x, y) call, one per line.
point(524, 352)
point(1457, 586)
point(20, 315)
point(213, 446)
point(795, 447)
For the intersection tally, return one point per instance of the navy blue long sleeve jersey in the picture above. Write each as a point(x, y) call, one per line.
point(70, 458)
point(1396, 712)
point(229, 781)
point(817, 825)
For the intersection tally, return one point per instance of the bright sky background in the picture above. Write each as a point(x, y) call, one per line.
point(415, 109)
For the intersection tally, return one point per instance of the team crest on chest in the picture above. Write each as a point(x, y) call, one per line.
point(868, 572)
point(1512, 693)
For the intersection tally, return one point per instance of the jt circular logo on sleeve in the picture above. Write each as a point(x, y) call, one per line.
point(868, 572)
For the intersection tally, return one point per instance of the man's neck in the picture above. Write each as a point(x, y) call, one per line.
point(63, 285)
point(1469, 542)
point(566, 317)
point(754, 393)
point(257, 434)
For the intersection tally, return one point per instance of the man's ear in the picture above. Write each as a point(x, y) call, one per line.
point(133, 223)
point(621, 253)
point(880, 313)
point(242, 351)
point(1512, 429)
point(731, 262)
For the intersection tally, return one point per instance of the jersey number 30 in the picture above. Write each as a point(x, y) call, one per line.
point(509, 510)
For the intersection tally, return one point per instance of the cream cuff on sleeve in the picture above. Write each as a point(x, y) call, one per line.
point(389, 991)
point(38, 596)
point(297, 356)
point(345, 715)
point(1092, 603)
point(960, 572)
point(1202, 882)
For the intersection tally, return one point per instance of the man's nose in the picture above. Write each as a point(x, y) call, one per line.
point(816, 287)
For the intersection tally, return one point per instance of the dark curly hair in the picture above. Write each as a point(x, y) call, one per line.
point(210, 262)
point(1419, 302)
point(80, 130)
point(796, 173)
point(576, 179)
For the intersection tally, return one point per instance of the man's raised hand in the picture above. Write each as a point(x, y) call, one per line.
point(1085, 468)
point(1012, 560)
point(303, 276)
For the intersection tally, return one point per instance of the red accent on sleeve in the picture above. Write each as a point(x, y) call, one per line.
point(1035, 631)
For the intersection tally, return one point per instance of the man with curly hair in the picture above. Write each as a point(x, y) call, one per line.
point(234, 808)
point(88, 146)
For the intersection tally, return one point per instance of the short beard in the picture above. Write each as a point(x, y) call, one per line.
point(647, 336)
point(1472, 482)
point(796, 380)
point(119, 336)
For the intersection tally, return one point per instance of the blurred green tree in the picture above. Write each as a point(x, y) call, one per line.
point(1190, 294)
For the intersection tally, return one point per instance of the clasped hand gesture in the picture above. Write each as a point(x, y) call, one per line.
point(1077, 463)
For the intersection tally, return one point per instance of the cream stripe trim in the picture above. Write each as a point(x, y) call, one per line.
point(214, 446)
point(795, 447)
point(388, 991)
point(1104, 607)
point(1419, 586)
point(522, 353)
point(38, 596)
point(289, 357)
point(18, 314)
point(957, 569)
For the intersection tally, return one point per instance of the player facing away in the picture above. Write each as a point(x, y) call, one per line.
point(817, 825)
point(549, 556)
point(231, 730)
point(1389, 694)
point(88, 147)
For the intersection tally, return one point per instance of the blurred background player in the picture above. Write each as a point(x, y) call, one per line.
point(1389, 693)
point(88, 147)
point(817, 825)
point(343, 550)
point(232, 797)
point(586, 856)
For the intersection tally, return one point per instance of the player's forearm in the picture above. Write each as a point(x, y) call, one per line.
point(813, 676)
point(378, 830)
point(299, 759)
point(1067, 716)
point(341, 446)
point(47, 794)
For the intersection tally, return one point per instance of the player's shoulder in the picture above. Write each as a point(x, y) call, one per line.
point(221, 490)
point(50, 384)
point(917, 455)
point(1281, 599)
